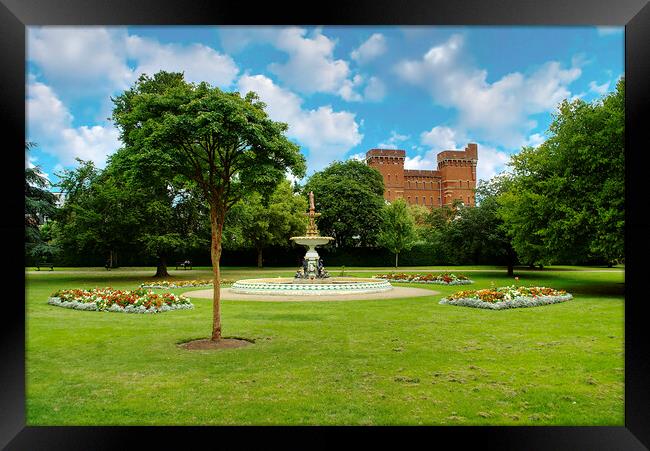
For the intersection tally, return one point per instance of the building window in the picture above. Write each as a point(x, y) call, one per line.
point(409, 199)
point(416, 200)
point(467, 200)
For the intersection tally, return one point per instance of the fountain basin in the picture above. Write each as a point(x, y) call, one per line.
point(312, 240)
point(330, 286)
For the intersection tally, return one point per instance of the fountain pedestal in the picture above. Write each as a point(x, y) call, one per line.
point(311, 239)
point(311, 256)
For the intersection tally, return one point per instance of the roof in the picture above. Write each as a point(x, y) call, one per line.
point(386, 153)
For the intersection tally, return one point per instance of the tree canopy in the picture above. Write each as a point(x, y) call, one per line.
point(398, 231)
point(271, 220)
point(349, 196)
point(566, 199)
point(222, 142)
point(39, 204)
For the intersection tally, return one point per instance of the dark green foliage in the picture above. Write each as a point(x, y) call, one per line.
point(349, 196)
point(40, 204)
point(566, 199)
point(101, 214)
point(265, 221)
point(397, 232)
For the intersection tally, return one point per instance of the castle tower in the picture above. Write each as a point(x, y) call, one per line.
point(454, 178)
point(390, 163)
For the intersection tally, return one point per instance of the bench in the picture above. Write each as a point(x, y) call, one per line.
point(185, 265)
point(44, 265)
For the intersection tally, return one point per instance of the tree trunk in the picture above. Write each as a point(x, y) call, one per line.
point(216, 223)
point(161, 269)
point(110, 258)
point(396, 258)
point(259, 257)
point(511, 261)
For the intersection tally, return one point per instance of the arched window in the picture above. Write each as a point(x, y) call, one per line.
point(416, 200)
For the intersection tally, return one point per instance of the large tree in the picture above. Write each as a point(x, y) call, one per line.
point(173, 216)
point(272, 220)
point(349, 196)
point(479, 234)
point(100, 215)
point(566, 201)
point(39, 205)
point(398, 231)
point(223, 142)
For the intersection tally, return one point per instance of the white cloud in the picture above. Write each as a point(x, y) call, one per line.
point(311, 66)
point(440, 138)
point(197, 61)
point(599, 89)
point(83, 61)
point(498, 110)
point(357, 156)
point(375, 90)
point(375, 46)
point(79, 60)
point(49, 123)
point(535, 140)
point(328, 134)
point(491, 161)
point(420, 162)
point(347, 91)
point(97, 62)
point(392, 142)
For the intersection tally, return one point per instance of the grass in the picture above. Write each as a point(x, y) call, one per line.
point(404, 361)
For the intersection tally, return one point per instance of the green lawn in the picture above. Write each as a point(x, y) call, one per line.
point(404, 361)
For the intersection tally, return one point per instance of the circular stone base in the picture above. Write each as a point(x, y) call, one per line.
point(283, 286)
point(397, 292)
point(206, 343)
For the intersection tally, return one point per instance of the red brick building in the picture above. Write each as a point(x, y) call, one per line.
point(455, 177)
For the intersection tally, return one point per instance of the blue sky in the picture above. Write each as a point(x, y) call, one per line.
point(342, 90)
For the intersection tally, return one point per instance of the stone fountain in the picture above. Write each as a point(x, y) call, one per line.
point(311, 279)
point(312, 266)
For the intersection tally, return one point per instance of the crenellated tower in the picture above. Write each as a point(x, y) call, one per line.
point(454, 178)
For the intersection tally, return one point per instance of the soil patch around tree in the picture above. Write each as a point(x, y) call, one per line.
point(208, 344)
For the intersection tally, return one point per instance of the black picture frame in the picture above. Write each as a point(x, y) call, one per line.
point(15, 15)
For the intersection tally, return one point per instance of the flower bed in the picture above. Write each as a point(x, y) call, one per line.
point(507, 297)
point(439, 279)
point(181, 283)
point(125, 301)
